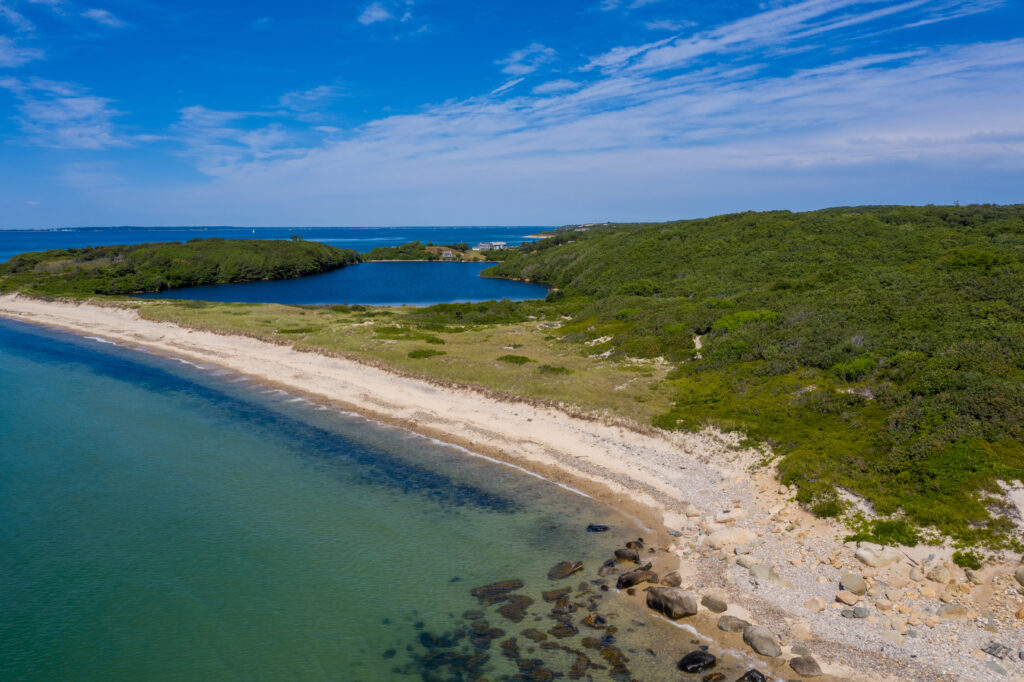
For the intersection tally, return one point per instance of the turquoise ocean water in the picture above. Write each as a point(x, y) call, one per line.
point(160, 521)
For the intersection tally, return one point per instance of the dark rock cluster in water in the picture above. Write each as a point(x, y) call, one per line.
point(564, 635)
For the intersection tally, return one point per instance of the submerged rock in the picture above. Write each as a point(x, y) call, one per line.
point(673, 579)
point(598, 528)
point(753, 675)
point(496, 592)
point(564, 569)
point(762, 641)
point(555, 595)
point(696, 662)
point(563, 630)
point(672, 602)
point(515, 608)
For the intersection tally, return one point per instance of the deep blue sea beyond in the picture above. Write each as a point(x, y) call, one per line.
point(161, 521)
point(391, 283)
point(13, 242)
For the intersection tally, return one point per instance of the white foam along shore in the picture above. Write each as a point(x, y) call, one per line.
point(697, 485)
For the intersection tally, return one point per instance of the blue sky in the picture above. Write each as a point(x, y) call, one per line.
point(430, 112)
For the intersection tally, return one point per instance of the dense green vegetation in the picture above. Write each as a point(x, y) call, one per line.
point(120, 270)
point(408, 251)
point(878, 350)
point(419, 251)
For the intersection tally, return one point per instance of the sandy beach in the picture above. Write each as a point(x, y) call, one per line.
point(724, 524)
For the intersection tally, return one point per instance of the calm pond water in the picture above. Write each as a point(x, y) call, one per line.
point(161, 521)
point(384, 283)
point(362, 239)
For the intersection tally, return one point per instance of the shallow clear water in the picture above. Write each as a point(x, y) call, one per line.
point(13, 242)
point(159, 521)
point(386, 283)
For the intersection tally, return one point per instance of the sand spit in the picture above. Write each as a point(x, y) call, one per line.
point(735, 537)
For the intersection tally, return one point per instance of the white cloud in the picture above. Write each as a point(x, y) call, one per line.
point(307, 100)
point(102, 16)
point(777, 27)
point(560, 85)
point(19, 22)
point(62, 115)
point(668, 25)
point(527, 60)
point(375, 12)
point(507, 85)
point(12, 55)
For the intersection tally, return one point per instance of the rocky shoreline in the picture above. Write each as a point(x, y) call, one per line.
point(719, 520)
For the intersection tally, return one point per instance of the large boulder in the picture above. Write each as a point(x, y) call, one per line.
point(939, 574)
point(730, 536)
point(853, 582)
point(715, 601)
point(805, 666)
point(877, 558)
point(627, 554)
point(732, 624)
point(672, 602)
point(697, 662)
point(762, 641)
point(633, 578)
point(1019, 575)
point(673, 579)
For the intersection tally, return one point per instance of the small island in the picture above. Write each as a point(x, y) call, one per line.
point(142, 268)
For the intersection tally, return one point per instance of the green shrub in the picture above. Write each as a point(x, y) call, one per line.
point(548, 369)
point(424, 353)
point(515, 359)
point(855, 369)
point(827, 509)
point(888, 532)
point(734, 321)
point(966, 559)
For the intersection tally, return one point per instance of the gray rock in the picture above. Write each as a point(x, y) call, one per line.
point(805, 666)
point(715, 601)
point(761, 572)
point(675, 533)
point(996, 668)
point(673, 579)
point(939, 574)
point(953, 612)
point(672, 602)
point(853, 582)
point(732, 624)
point(800, 650)
point(762, 641)
point(861, 612)
point(1019, 575)
point(847, 613)
point(746, 561)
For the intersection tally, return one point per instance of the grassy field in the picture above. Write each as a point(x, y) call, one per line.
point(468, 354)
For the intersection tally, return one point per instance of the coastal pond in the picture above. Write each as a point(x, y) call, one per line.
point(168, 521)
point(375, 283)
